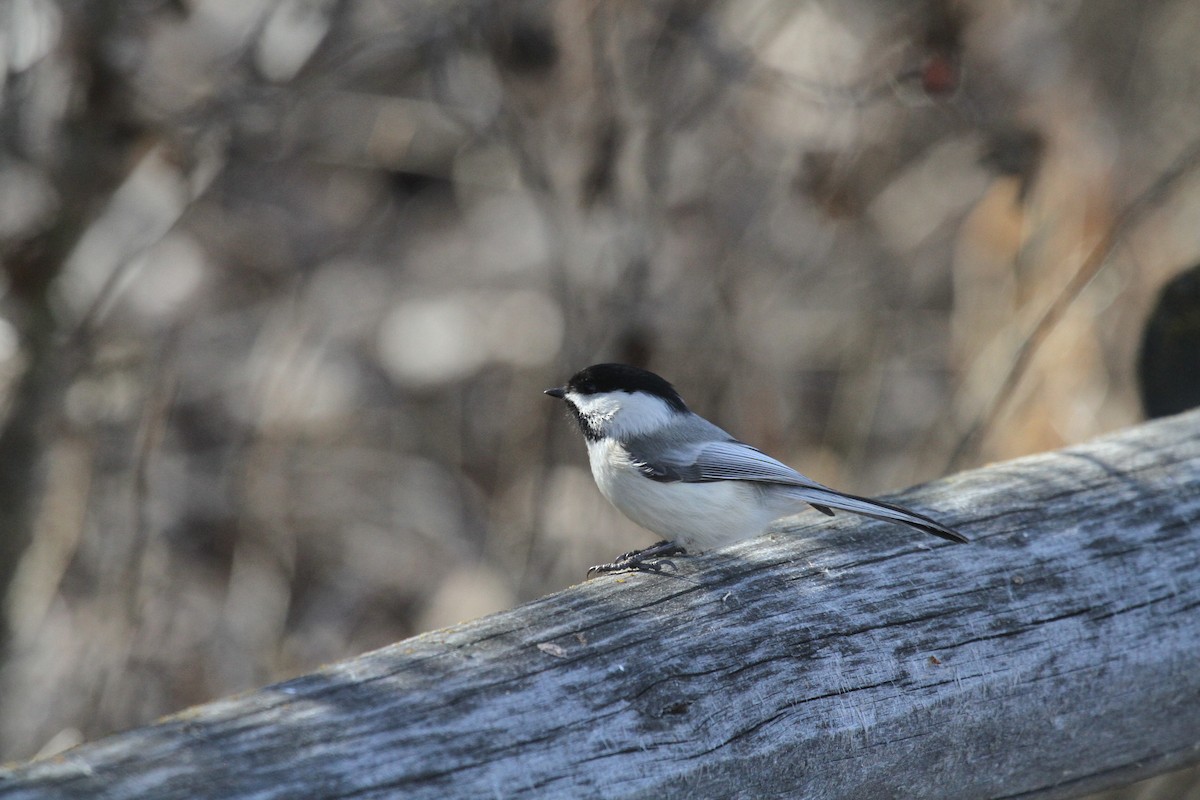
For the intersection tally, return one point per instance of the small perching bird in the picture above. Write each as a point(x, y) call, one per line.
point(683, 478)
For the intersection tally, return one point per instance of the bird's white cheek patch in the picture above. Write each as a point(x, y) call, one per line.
point(622, 414)
point(597, 409)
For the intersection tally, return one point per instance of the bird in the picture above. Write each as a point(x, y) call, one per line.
point(686, 480)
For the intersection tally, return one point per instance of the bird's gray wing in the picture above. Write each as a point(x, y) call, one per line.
point(736, 461)
point(728, 460)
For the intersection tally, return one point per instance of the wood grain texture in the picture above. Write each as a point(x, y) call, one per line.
point(1057, 653)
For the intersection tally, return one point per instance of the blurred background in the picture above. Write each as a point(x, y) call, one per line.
point(282, 282)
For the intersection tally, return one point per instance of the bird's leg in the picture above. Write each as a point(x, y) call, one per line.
point(639, 560)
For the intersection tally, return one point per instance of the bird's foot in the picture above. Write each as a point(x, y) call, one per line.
point(648, 559)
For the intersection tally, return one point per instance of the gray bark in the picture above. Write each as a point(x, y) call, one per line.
point(1055, 654)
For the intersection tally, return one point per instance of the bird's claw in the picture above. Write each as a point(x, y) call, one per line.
point(649, 559)
point(632, 565)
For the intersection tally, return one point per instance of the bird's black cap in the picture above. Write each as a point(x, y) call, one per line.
point(600, 378)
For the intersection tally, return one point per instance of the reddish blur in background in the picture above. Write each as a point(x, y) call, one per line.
point(283, 281)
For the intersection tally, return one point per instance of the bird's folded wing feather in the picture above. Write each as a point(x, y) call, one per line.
point(719, 461)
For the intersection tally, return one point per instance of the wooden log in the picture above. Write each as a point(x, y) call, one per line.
point(1057, 653)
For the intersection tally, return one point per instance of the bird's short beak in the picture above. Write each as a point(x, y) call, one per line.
point(556, 392)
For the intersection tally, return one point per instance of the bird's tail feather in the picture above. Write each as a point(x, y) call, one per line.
point(825, 499)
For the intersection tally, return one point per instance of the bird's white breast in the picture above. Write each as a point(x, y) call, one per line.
point(698, 515)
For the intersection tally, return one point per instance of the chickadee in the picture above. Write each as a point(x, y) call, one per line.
point(678, 475)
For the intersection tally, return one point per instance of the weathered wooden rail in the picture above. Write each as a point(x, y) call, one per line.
point(1057, 653)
